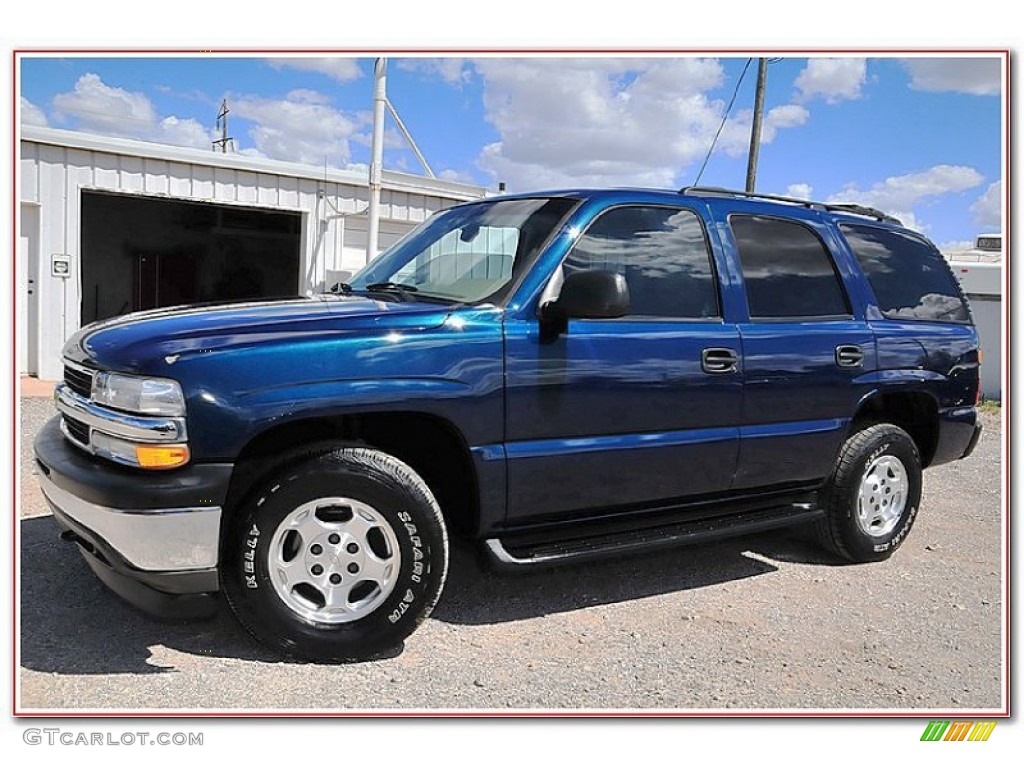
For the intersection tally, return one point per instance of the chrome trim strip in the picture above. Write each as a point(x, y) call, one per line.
point(79, 367)
point(146, 429)
point(148, 539)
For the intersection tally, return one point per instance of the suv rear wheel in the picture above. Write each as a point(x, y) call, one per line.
point(337, 557)
point(872, 497)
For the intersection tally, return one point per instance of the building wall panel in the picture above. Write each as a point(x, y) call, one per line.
point(288, 191)
point(202, 182)
point(131, 173)
point(106, 171)
point(179, 180)
point(29, 170)
point(156, 172)
point(267, 188)
point(247, 187)
point(52, 186)
point(225, 185)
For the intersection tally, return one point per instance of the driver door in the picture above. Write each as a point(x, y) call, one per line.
point(626, 412)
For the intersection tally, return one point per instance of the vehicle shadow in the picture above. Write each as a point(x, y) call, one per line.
point(476, 595)
point(71, 624)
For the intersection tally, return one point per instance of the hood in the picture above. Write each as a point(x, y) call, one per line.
point(131, 342)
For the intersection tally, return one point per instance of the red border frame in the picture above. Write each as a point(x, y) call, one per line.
point(16, 54)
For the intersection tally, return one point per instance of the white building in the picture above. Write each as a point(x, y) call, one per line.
point(980, 271)
point(108, 226)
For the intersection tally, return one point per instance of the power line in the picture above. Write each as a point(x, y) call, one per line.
point(724, 118)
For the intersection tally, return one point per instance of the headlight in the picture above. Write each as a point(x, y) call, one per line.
point(154, 397)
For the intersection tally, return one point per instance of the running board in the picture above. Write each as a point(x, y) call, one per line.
point(505, 555)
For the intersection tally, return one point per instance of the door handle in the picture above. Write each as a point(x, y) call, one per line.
point(719, 360)
point(849, 356)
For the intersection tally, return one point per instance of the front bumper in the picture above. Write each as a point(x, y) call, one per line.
point(151, 537)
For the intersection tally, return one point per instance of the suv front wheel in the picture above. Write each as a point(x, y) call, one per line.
point(872, 496)
point(337, 557)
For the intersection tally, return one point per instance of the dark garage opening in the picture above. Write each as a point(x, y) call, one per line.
point(142, 253)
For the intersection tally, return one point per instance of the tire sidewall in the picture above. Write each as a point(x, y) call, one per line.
point(889, 442)
point(421, 543)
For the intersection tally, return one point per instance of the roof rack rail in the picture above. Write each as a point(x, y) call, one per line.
point(863, 210)
point(860, 210)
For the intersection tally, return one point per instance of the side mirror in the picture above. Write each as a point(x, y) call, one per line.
point(592, 293)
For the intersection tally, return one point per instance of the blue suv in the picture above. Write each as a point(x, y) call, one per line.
point(558, 376)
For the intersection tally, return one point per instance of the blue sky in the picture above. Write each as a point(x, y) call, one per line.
point(918, 137)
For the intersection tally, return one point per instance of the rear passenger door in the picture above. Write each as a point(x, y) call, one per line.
point(805, 346)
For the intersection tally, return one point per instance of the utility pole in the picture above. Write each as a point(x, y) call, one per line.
point(755, 128)
point(222, 123)
point(380, 100)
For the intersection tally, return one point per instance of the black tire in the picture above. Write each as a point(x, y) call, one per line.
point(400, 500)
point(841, 531)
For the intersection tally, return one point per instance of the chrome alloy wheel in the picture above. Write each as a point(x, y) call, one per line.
point(334, 560)
point(882, 496)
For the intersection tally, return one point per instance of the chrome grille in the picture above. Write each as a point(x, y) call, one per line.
point(79, 380)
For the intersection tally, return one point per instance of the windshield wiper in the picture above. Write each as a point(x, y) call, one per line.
point(402, 289)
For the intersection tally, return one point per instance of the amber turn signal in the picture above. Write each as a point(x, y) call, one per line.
point(161, 456)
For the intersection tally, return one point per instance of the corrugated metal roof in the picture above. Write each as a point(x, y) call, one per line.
point(405, 182)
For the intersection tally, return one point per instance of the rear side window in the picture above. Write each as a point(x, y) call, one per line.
point(662, 253)
point(908, 275)
point(787, 271)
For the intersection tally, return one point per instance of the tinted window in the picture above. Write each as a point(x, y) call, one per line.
point(786, 269)
point(908, 275)
point(662, 253)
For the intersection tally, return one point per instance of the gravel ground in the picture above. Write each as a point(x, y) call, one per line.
point(765, 621)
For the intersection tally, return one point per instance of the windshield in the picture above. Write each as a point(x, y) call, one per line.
point(467, 254)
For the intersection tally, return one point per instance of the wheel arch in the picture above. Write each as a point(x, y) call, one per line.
point(432, 445)
point(914, 411)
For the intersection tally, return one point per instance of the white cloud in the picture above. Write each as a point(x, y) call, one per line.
point(299, 128)
point(832, 79)
point(735, 138)
point(308, 96)
point(454, 71)
point(988, 209)
point(449, 174)
point(186, 133)
point(250, 152)
point(980, 76)
point(101, 108)
point(31, 114)
point(900, 195)
point(800, 190)
point(603, 121)
point(393, 139)
point(344, 70)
